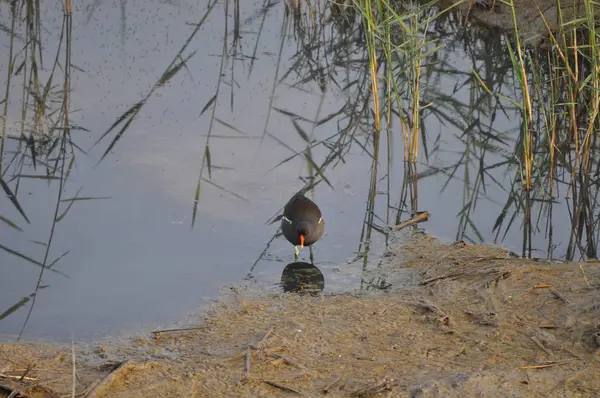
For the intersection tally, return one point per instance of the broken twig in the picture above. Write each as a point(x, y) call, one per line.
point(541, 286)
point(332, 384)
point(281, 387)
point(284, 359)
point(543, 365)
point(428, 306)
point(423, 216)
point(17, 377)
point(247, 365)
point(384, 385)
point(584, 277)
point(539, 344)
point(437, 278)
point(107, 380)
point(559, 296)
point(175, 330)
point(262, 341)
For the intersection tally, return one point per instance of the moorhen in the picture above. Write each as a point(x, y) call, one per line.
point(302, 223)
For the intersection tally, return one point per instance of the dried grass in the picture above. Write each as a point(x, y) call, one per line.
point(481, 323)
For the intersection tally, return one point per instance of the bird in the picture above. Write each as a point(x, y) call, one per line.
point(302, 223)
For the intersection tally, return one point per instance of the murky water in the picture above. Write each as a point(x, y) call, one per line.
point(133, 261)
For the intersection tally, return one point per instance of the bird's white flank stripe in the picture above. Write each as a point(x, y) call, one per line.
point(287, 219)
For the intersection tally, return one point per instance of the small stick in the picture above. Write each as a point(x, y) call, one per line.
point(584, 277)
point(2, 375)
point(107, 380)
point(424, 216)
point(257, 346)
point(74, 365)
point(28, 370)
point(281, 387)
point(332, 384)
point(174, 330)
point(262, 341)
point(374, 389)
point(542, 366)
point(437, 278)
point(539, 344)
point(542, 286)
point(549, 365)
point(429, 306)
point(285, 359)
point(536, 286)
point(559, 296)
point(535, 325)
point(503, 275)
point(247, 365)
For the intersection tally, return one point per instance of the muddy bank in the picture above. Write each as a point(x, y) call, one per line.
point(478, 323)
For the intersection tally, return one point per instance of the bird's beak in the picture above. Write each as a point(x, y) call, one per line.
point(302, 241)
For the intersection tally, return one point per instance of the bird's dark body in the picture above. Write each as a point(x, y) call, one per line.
point(301, 216)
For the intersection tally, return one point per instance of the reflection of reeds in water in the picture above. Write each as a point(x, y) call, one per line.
point(387, 58)
point(44, 138)
point(566, 76)
point(179, 62)
point(557, 141)
point(396, 39)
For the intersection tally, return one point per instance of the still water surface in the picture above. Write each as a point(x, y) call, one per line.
point(133, 259)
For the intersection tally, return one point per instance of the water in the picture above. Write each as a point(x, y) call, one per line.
point(133, 259)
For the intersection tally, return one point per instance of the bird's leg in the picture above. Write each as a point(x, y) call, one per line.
point(296, 254)
point(312, 258)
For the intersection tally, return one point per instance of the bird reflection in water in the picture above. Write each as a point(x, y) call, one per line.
point(303, 278)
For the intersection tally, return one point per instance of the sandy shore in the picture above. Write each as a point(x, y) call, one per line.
point(477, 323)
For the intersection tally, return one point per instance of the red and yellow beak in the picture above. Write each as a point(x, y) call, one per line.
point(302, 241)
